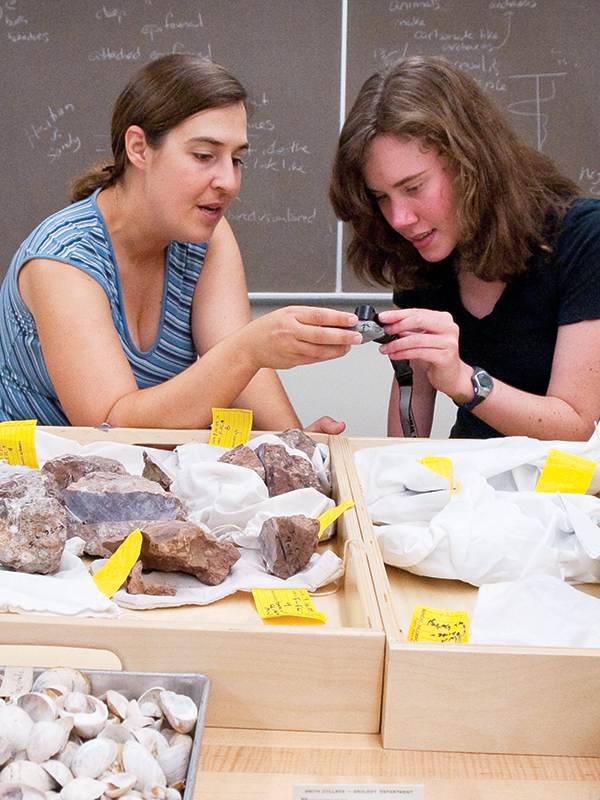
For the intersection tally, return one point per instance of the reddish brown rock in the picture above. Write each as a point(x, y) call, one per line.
point(106, 497)
point(285, 472)
point(243, 456)
point(138, 585)
point(296, 438)
point(33, 526)
point(178, 546)
point(287, 543)
point(102, 538)
point(69, 468)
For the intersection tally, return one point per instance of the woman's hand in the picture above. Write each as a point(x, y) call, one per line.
point(326, 425)
point(296, 335)
point(429, 338)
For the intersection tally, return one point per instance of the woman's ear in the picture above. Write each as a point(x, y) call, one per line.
point(136, 146)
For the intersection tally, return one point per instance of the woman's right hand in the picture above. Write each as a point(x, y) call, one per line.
point(296, 335)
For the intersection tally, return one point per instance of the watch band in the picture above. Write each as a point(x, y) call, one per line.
point(482, 386)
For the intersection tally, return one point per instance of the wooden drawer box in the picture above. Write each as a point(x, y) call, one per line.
point(314, 677)
point(470, 698)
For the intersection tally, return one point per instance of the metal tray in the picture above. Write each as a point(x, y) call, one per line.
point(132, 684)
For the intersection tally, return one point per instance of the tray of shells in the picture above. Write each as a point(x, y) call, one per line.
point(100, 734)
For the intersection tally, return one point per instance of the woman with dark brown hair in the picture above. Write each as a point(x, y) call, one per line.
point(493, 258)
point(130, 307)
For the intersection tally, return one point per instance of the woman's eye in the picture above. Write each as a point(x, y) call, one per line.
point(203, 156)
point(238, 162)
point(413, 189)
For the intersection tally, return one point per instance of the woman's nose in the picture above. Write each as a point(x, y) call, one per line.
point(227, 176)
point(401, 214)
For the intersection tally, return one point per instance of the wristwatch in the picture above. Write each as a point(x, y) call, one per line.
point(482, 386)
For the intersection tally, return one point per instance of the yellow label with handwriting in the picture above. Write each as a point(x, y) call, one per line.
point(567, 473)
point(17, 443)
point(332, 514)
point(230, 426)
point(114, 573)
point(287, 606)
point(441, 466)
point(436, 625)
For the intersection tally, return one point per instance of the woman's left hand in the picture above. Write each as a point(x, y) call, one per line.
point(431, 339)
point(326, 425)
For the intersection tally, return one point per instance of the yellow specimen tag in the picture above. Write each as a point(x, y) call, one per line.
point(441, 466)
point(17, 443)
point(435, 625)
point(230, 426)
point(287, 606)
point(567, 473)
point(332, 514)
point(114, 573)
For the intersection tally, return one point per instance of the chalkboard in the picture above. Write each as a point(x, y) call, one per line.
point(303, 61)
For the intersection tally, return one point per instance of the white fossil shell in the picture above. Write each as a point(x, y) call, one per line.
point(174, 763)
point(83, 789)
point(47, 738)
point(28, 773)
point(119, 784)
point(40, 707)
point(139, 762)
point(149, 702)
point(94, 757)
point(152, 740)
point(89, 714)
point(5, 750)
point(15, 791)
point(118, 733)
point(15, 725)
point(58, 771)
point(180, 710)
point(65, 679)
point(117, 703)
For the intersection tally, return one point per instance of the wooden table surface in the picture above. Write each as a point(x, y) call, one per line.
point(266, 765)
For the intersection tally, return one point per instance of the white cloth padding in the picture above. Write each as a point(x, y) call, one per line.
point(540, 611)
point(495, 527)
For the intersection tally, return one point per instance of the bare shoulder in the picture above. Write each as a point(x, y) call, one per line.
point(42, 278)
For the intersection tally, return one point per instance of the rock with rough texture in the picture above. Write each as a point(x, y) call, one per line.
point(102, 538)
point(178, 546)
point(285, 472)
point(106, 497)
point(70, 468)
point(244, 456)
point(287, 543)
point(136, 584)
point(297, 439)
point(33, 526)
point(154, 472)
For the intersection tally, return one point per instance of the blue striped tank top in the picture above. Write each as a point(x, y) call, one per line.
point(77, 235)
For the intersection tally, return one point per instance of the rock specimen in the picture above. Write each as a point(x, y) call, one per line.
point(33, 528)
point(296, 438)
point(244, 456)
point(178, 546)
point(102, 538)
point(70, 468)
point(106, 497)
point(285, 472)
point(138, 585)
point(287, 543)
point(153, 472)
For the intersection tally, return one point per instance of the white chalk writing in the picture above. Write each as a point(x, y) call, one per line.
point(285, 217)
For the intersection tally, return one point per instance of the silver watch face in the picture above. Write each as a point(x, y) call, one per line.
point(484, 383)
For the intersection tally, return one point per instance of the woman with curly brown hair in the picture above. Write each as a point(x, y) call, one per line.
point(493, 258)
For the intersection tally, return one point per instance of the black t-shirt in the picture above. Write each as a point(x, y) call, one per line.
point(515, 343)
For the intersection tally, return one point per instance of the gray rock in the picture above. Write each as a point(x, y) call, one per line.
point(70, 468)
point(106, 497)
point(285, 472)
point(287, 543)
point(33, 528)
point(244, 456)
point(102, 538)
point(153, 472)
point(178, 546)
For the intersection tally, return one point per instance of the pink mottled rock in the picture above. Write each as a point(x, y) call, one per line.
point(287, 543)
point(33, 526)
point(244, 456)
point(70, 468)
point(178, 546)
point(285, 472)
point(297, 439)
point(102, 538)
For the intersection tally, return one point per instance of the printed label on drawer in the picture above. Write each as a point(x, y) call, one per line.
point(436, 625)
point(17, 443)
point(358, 791)
point(564, 472)
point(287, 606)
point(230, 427)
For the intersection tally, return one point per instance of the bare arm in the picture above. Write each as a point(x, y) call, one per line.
point(92, 376)
point(570, 407)
point(422, 401)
